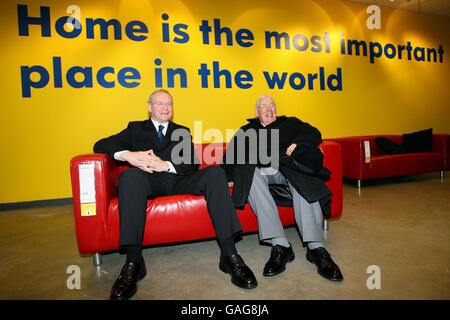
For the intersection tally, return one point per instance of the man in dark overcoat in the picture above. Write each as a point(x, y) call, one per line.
point(282, 152)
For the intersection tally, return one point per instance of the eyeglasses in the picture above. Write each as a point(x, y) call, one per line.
point(160, 104)
point(264, 106)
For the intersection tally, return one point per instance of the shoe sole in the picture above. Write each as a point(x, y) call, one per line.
point(291, 258)
point(121, 298)
point(247, 286)
point(310, 259)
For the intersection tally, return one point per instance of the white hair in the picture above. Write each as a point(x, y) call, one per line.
point(158, 91)
point(258, 101)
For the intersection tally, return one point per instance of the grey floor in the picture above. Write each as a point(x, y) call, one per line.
point(400, 225)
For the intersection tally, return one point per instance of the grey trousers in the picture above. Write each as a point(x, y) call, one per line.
point(308, 216)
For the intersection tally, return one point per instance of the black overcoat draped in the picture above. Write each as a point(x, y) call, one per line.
point(303, 169)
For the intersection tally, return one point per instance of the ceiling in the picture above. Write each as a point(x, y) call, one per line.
point(438, 7)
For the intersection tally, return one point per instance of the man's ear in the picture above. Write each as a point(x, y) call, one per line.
point(149, 107)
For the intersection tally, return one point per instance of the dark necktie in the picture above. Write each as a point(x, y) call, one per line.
point(161, 135)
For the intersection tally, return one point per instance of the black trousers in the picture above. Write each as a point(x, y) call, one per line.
point(136, 186)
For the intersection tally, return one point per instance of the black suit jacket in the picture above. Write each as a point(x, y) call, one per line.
point(142, 135)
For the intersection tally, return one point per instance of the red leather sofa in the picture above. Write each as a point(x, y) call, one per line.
point(175, 218)
point(381, 165)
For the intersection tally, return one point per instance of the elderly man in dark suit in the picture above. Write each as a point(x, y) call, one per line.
point(297, 165)
point(158, 170)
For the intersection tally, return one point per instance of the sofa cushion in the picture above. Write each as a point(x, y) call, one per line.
point(405, 164)
point(388, 146)
point(419, 141)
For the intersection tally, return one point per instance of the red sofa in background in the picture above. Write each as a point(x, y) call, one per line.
point(170, 219)
point(382, 165)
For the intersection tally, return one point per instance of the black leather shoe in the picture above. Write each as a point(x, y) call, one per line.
point(325, 265)
point(279, 257)
point(241, 275)
point(125, 286)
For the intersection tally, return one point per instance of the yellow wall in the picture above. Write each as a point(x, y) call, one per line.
point(40, 134)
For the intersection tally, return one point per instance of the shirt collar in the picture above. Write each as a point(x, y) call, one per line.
point(157, 124)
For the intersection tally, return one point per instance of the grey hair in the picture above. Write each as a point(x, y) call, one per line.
point(158, 91)
point(258, 101)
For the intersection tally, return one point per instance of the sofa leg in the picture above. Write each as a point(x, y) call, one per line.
point(97, 259)
point(325, 224)
point(359, 184)
point(442, 176)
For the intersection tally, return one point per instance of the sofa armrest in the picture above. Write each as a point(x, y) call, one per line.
point(90, 225)
point(441, 144)
point(354, 164)
point(333, 162)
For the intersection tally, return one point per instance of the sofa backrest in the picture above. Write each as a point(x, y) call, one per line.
point(210, 154)
point(375, 150)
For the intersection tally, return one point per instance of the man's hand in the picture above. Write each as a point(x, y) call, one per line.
point(231, 184)
point(145, 160)
point(156, 164)
point(290, 149)
point(139, 159)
